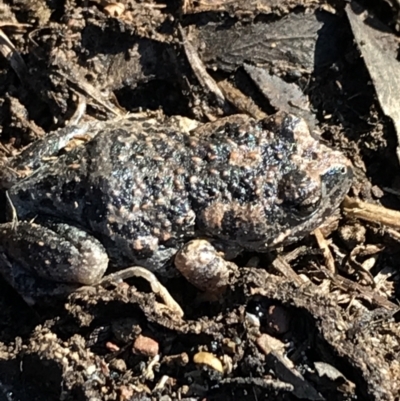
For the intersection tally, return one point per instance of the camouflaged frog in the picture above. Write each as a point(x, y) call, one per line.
point(140, 188)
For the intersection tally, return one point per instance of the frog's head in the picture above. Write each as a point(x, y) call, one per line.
point(296, 186)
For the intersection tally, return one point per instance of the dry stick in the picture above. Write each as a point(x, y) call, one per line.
point(361, 292)
point(361, 267)
point(372, 213)
point(243, 103)
point(72, 74)
point(199, 69)
point(79, 112)
point(323, 244)
point(284, 268)
point(369, 212)
point(16, 27)
point(156, 286)
point(8, 50)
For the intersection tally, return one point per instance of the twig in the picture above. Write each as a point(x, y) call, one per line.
point(372, 213)
point(284, 268)
point(206, 81)
point(8, 50)
point(156, 286)
point(323, 245)
point(361, 292)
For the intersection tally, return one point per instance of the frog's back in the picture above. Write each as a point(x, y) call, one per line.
point(125, 185)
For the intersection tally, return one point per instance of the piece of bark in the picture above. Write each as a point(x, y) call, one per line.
point(285, 370)
point(241, 7)
point(282, 96)
point(297, 42)
point(379, 49)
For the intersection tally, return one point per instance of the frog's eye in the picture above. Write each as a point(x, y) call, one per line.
point(338, 170)
point(300, 194)
point(336, 177)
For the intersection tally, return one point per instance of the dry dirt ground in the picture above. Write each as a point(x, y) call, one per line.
point(288, 327)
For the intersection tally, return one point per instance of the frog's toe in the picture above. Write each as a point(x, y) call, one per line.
point(201, 264)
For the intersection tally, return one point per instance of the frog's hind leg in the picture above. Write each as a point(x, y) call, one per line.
point(42, 260)
point(29, 286)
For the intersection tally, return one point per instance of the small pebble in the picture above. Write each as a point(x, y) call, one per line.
point(377, 192)
point(252, 319)
point(114, 9)
point(209, 360)
point(112, 347)
point(145, 346)
point(269, 344)
point(91, 369)
point(125, 393)
point(118, 364)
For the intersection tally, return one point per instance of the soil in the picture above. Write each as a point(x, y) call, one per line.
point(286, 327)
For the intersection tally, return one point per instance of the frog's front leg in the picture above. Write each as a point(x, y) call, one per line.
point(37, 259)
point(205, 267)
point(37, 153)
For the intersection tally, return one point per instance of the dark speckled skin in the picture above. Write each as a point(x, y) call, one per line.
point(145, 187)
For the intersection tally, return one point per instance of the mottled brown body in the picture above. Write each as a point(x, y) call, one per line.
point(143, 188)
